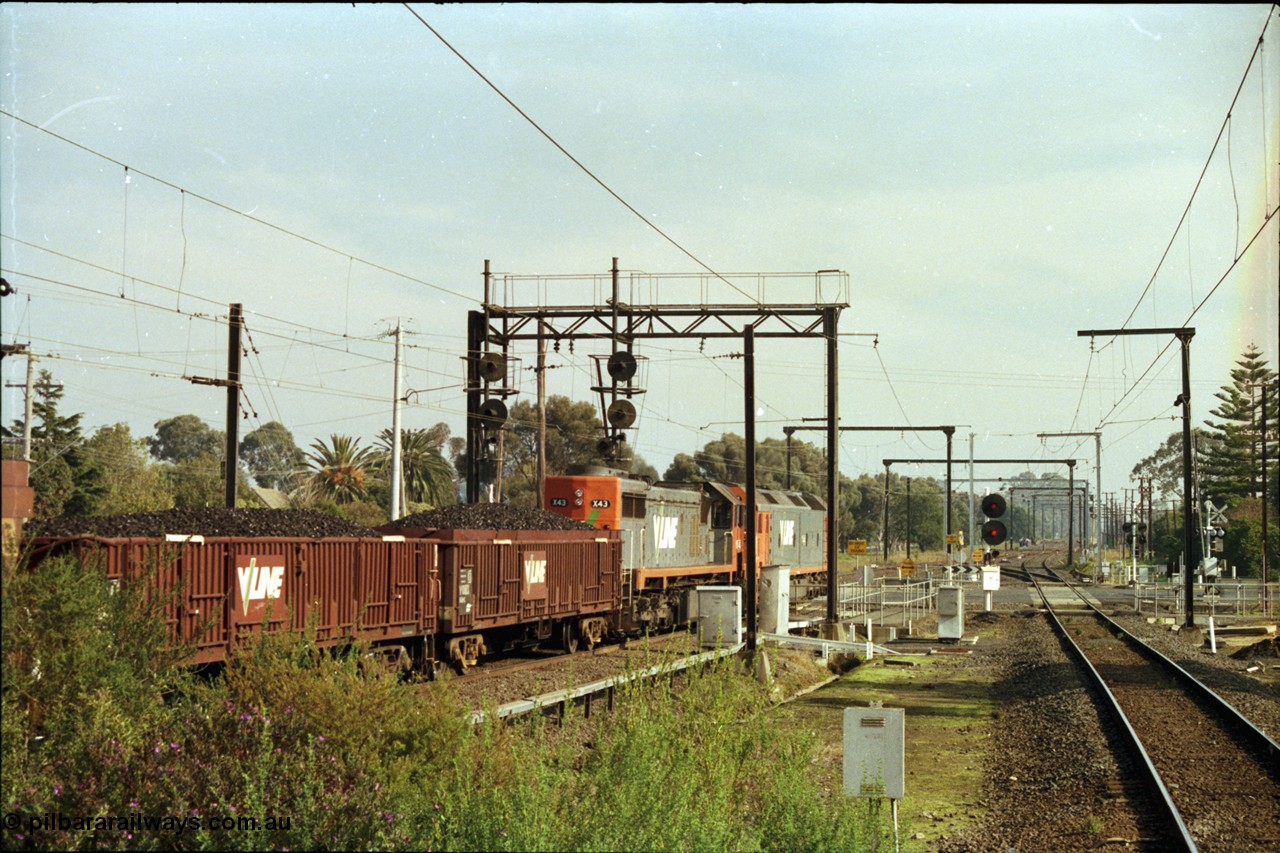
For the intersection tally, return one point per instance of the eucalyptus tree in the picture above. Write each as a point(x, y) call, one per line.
point(272, 457)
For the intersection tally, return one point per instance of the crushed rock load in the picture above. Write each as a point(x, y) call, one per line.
point(488, 517)
point(1269, 648)
point(207, 521)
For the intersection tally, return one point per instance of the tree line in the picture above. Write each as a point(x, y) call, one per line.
point(1227, 465)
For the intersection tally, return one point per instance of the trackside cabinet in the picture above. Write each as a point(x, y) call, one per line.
point(950, 613)
point(875, 752)
point(719, 616)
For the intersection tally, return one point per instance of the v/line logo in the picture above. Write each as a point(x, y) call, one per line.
point(259, 583)
point(665, 529)
point(787, 531)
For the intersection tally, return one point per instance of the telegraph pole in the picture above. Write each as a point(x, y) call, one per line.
point(29, 385)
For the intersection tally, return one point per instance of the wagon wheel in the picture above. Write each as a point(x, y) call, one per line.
point(569, 637)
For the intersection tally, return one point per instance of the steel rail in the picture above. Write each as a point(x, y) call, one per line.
point(1165, 801)
point(563, 697)
point(1255, 737)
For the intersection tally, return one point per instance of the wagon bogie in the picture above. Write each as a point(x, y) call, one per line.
point(593, 631)
point(465, 650)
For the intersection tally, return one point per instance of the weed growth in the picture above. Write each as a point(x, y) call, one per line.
point(98, 721)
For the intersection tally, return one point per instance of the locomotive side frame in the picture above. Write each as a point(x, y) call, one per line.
point(677, 536)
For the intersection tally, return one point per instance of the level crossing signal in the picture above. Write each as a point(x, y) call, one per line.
point(993, 530)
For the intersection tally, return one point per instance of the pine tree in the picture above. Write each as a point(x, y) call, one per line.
point(64, 476)
point(1232, 464)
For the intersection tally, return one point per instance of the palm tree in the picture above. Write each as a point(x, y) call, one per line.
point(340, 469)
point(427, 476)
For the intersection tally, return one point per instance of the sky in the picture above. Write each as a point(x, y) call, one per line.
point(993, 179)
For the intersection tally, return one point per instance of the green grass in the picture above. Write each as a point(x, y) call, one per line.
point(948, 714)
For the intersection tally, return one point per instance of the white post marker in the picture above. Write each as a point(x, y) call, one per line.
point(990, 583)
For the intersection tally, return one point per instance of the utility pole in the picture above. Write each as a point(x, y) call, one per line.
point(396, 476)
point(542, 416)
point(1184, 336)
point(884, 527)
point(29, 385)
point(233, 402)
point(908, 518)
point(749, 420)
point(1071, 518)
point(232, 384)
point(972, 542)
point(1266, 508)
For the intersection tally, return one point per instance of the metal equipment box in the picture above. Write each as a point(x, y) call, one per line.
point(875, 752)
point(775, 600)
point(950, 612)
point(719, 616)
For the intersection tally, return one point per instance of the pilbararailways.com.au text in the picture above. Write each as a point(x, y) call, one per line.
point(139, 822)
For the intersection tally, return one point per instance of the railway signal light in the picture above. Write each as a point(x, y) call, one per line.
point(993, 531)
point(493, 414)
point(621, 366)
point(621, 414)
point(492, 366)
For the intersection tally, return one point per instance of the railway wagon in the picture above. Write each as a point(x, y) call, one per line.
point(501, 589)
point(676, 536)
point(220, 592)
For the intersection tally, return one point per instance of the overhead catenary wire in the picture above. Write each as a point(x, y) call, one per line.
point(229, 209)
point(219, 319)
point(575, 160)
point(1238, 252)
point(1223, 130)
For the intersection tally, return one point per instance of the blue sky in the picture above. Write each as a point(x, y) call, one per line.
point(992, 178)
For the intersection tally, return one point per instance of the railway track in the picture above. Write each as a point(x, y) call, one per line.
point(1199, 775)
point(502, 667)
point(508, 680)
